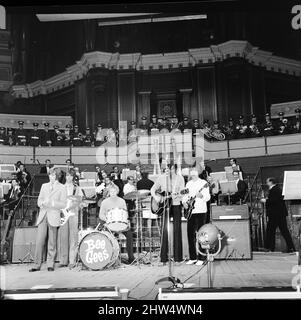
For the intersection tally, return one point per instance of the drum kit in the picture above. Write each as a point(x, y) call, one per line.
point(99, 248)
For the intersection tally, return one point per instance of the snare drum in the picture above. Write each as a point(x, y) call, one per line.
point(117, 220)
point(98, 250)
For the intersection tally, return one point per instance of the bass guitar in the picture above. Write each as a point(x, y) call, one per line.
point(189, 204)
point(158, 207)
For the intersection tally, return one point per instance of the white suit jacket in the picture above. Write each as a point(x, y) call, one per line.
point(56, 200)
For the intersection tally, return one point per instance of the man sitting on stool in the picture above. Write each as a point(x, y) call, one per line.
point(114, 202)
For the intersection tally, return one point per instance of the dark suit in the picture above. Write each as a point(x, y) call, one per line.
point(276, 213)
point(44, 170)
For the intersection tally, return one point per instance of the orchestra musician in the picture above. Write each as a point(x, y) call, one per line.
point(10, 139)
point(35, 136)
point(46, 168)
point(254, 129)
point(13, 195)
point(171, 183)
point(52, 198)
point(198, 217)
point(112, 202)
point(46, 136)
point(23, 177)
point(21, 135)
point(68, 233)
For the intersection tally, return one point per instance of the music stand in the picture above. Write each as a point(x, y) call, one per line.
point(228, 188)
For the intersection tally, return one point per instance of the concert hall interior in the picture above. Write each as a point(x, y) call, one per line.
point(160, 149)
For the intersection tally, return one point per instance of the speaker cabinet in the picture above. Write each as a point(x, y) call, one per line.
point(236, 239)
point(24, 244)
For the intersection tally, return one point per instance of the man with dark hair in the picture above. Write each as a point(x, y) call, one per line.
point(52, 198)
point(112, 202)
point(170, 183)
point(46, 168)
point(276, 214)
point(144, 183)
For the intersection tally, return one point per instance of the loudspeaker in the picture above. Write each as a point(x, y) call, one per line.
point(236, 239)
point(24, 243)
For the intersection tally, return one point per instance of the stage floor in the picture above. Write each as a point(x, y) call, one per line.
point(265, 270)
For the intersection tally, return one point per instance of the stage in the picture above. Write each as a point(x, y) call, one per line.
point(264, 270)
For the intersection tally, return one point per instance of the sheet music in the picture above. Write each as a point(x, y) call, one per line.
point(292, 185)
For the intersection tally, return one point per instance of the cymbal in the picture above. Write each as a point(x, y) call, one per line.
point(141, 194)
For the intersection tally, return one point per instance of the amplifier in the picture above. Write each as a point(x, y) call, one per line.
point(24, 244)
point(236, 239)
point(234, 212)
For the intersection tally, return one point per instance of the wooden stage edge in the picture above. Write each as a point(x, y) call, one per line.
point(264, 270)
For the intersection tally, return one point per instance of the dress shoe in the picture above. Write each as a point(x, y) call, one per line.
point(34, 269)
point(71, 266)
point(62, 265)
point(291, 250)
point(50, 269)
point(190, 262)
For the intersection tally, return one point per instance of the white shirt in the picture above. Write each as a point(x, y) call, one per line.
point(128, 188)
point(200, 203)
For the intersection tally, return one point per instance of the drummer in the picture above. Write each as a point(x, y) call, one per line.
point(68, 233)
point(115, 202)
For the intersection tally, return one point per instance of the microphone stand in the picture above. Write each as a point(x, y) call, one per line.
point(166, 219)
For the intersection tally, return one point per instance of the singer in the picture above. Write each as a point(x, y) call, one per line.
point(170, 183)
point(52, 198)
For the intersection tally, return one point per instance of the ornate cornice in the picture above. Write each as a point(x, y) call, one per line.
point(174, 60)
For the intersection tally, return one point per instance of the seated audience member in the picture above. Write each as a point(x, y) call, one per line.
point(144, 183)
point(242, 188)
point(45, 169)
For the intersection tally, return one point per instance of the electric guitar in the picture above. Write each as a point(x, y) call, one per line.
point(189, 204)
point(165, 200)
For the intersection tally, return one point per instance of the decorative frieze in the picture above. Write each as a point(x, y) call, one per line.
point(167, 61)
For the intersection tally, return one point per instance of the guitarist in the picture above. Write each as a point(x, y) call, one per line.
point(51, 200)
point(198, 216)
point(171, 182)
point(68, 233)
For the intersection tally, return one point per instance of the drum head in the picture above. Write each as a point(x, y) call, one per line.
point(96, 250)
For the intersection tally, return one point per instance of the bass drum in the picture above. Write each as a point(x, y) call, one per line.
point(98, 250)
